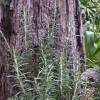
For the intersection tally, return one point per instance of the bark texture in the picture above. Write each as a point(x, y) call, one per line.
point(3, 71)
point(72, 32)
point(6, 32)
point(32, 19)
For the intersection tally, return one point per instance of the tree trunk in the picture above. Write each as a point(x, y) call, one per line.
point(31, 18)
point(6, 32)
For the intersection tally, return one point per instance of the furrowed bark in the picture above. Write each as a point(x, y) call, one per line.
point(6, 32)
point(37, 15)
point(71, 23)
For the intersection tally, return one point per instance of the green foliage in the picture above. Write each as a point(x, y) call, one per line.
point(21, 76)
point(52, 82)
point(89, 41)
point(92, 43)
point(90, 9)
point(91, 16)
point(91, 20)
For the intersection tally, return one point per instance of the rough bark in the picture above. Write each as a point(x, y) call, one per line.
point(30, 18)
point(6, 32)
point(3, 70)
point(71, 22)
point(37, 15)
